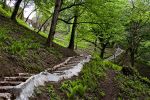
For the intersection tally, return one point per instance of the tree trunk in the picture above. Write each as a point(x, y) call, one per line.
point(14, 14)
point(95, 44)
point(103, 47)
point(58, 4)
point(72, 38)
point(132, 57)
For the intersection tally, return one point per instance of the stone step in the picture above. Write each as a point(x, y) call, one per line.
point(4, 89)
point(5, 96)
point(23, 79)
point(69, 65)
point(24, 74)
point(9, 83)
point(59, 72)
point(76, 59)
point(73, 62)
point(64, 68)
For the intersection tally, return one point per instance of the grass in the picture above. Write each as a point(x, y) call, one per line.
point(6, 13)
point(24, 49)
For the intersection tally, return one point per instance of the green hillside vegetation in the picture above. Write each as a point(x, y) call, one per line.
point(67, 28)
point(24, 49)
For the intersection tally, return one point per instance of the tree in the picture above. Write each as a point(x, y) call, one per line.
point(74, 26)
point(57, 8)
point(138, 15)
point(14, 14)
point(105, 22)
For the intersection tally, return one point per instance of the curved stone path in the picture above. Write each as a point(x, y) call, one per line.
point(22, 85)
point(118, 52)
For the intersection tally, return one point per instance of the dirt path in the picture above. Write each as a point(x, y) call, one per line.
point(109, 86)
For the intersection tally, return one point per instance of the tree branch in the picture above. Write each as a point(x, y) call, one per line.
point(67, 22)
point(72, 5)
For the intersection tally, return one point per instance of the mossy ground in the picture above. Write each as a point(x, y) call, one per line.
point(23, 50)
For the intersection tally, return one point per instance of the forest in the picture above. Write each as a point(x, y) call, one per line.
point(74, 49)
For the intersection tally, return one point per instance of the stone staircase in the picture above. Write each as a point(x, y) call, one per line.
point(8, 86)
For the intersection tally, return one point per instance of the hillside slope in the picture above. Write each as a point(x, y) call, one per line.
point(23, 50)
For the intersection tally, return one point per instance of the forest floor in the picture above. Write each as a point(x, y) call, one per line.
point(25, 51)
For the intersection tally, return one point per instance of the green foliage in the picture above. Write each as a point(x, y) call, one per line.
point(21, 22)
point(4, 12)
point(3, 36)
point(73, 88)
point(132, 88)
point(43, 34)
point(89, 81)
point(5, 39)
point(20, 47)
point(51, 91)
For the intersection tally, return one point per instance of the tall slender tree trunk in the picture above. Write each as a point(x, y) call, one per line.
point(103, 47)
point(14, 14)
point(95, 44)
point(50, 38)
point(132, 57)
point(72, 38)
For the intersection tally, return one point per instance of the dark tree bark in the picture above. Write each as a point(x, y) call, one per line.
point(133, 40)
point(103, 42)
point(14, 14)
point(132, 55)
point(103, 47)
point(72, 38)
point(58, 4)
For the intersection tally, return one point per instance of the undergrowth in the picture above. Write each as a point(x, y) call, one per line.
point(87, 86)
point(132, 88)
point(89, 81)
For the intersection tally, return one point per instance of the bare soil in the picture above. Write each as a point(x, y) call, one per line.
point(110, 86)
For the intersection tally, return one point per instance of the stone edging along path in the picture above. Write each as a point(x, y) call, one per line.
point(22, 86)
